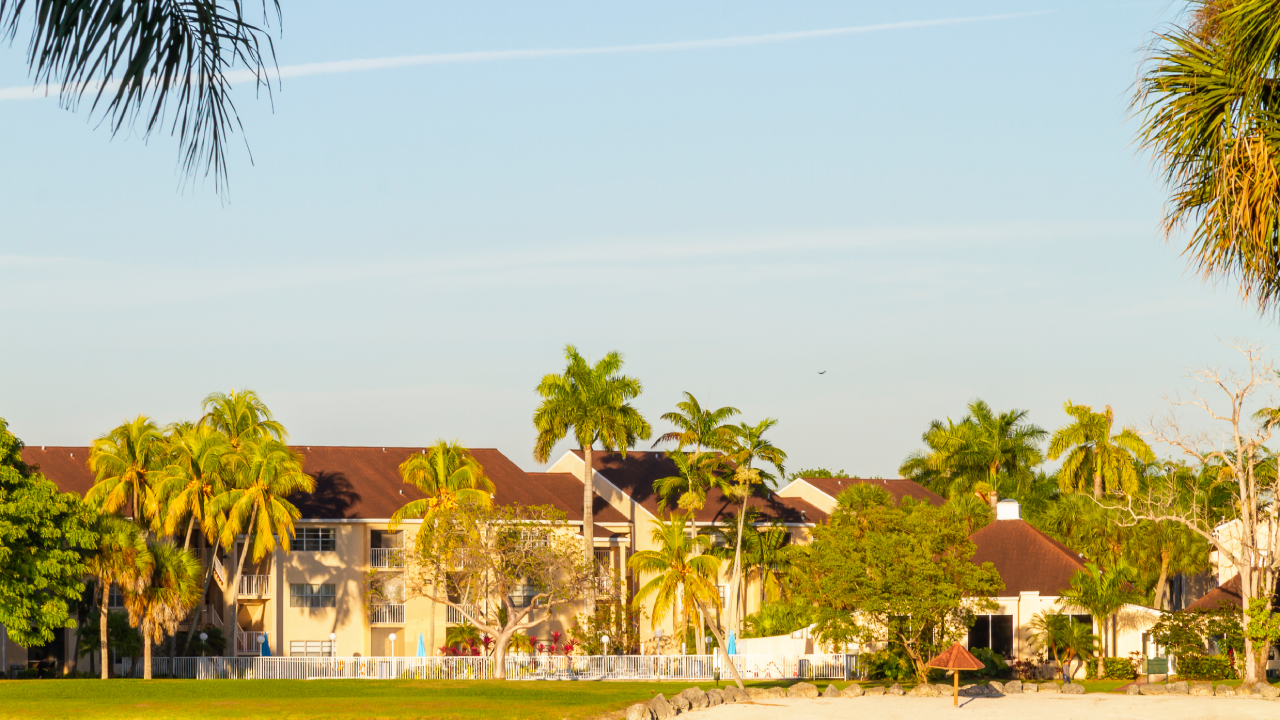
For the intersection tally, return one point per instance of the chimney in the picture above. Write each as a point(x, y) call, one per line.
point(1008, 510)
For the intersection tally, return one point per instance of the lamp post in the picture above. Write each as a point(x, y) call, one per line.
point(392, 637)
point(332, 638)
point(605, 639)
point(203, 638)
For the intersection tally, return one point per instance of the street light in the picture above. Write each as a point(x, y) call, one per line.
point(393, 644)
point(203, 637)
point(332, 638)
point(605, 640)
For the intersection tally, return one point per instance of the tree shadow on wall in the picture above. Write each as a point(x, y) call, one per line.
point(332, 498)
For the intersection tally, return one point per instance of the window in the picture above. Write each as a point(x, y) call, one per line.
point(313, 596)
point(314, 540)
point(992, 631)
point(310, 648)
point(115, 599)
point(723, 592)
point(522, 594)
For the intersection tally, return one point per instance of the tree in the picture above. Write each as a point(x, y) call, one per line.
point(161, 600)
point(1246, 538)
point(447, 474)
point(1063, 639)
point(123, 460)
point(11, 450)
point(982, 452)
point(522, 559)
point(1101, 593)
point(138, 59)
point(902, 575)
point(698, 473)
point(703, 429)
point(45, 536)
point(1093, 452)
point(121, 558)
point(1206, 100)
point(774, 560)
point(749, 446)
point(196, 469)
point(683, 573)
point(820, 473)
point(242, 416)
point(593, 400)
point(267, 472)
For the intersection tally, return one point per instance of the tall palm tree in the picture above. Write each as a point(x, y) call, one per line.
point(267, 472)
point(1093, 452)
point(123, 461)
point(702, 429)
point(446, 473)
point(749, 446)
point(593, 401)
point(773, 558)
point(1209, 116)
point(242, 416)
point(986, 447)
point(1101, 593)
point(697, 475)
point(684, 575)
point(161, 601)
point(1062, 638)
point(121, 558)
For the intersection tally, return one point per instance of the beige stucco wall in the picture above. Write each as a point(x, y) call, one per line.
point(1133, 621)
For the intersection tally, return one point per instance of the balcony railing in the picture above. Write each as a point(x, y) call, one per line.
point(255, 584)
point(249, 642)
point(389, 614)
point(455, 617)
point(386, 557)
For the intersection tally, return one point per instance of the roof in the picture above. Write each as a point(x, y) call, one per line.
point(564, 491)
point(1226, 594)
point(67, 466)
point(636, 474)
point(956, 658)
point(1027, 559)
point(897, 487)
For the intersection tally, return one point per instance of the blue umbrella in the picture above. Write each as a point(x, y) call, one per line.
point(733, 644)
point(422, 646)
point(266, 649)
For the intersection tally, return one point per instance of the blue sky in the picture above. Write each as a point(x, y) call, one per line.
point(930, 214)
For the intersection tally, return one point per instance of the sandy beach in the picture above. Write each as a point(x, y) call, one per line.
point(1097, 706)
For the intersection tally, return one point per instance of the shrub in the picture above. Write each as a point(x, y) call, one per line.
point(1028, 669)
point(1192, 666)
point(1114, 669)
point(993, 663)
point(887, 665)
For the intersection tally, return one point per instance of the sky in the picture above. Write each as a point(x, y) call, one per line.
point(852, 217)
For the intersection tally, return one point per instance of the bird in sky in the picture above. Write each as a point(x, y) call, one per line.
point(822, 372)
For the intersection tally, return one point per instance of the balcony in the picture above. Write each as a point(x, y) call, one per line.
point(454, 617)
point(249, 642)
point(386, 558)
point(389, 614)
point(255, 585)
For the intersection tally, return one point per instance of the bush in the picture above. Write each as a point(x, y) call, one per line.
point(1028, 669)
point(887, 665)
point(993, 663)
point(1114, 669)
point(1192, 666)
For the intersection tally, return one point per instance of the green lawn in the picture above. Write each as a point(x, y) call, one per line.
point(316, 699)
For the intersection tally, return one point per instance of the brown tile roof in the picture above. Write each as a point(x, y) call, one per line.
point(636, 474)
point(1027, 559)
point(564, 491)
point(66, 466)
point(897, 487)
point(1226, 594)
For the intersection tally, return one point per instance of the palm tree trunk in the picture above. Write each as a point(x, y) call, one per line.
point(146, 651)
point(1102, 627)
point(102, 630)
point(1097, 476)
point(1162, 583)
point(588, 525)
point(204, 594)
point(735, 619)
point(231, 623)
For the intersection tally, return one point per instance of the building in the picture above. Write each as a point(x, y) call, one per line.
point(822, 492)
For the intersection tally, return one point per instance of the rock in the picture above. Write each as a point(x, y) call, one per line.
point(803, 690)
point(854, 690)
point(639, 711)
point(1134, 688)
point(756, 693)
point(831, 691)
point(735, 694)
point(1050, 687)
point(681, 703)
point(997, 686)
point(1153, 690)
point(1030, 687)
point(945, 689)
point(1224, 691)
point(696, 697)
point(777, 692)
point(1013, 687)
point(877, 690)
point(1267, 691)
point(923, 690)
point(1201, 689)
point(1073, 689)
point(715, 697)
point(895, 689)
point(1178, 688)
point(661, 709)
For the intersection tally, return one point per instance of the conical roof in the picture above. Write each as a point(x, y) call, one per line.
point(956, 658)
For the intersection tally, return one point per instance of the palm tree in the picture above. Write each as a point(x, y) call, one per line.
point(447, 474)
point(1208, 109)
point(773, 558)
point(729, 543)
point(1101, 593)
point(697, 475)
point(703, 429)
point(267, 472)
point(121, 558)
point(1064, 639)
point(593, 400)
point(986, 448)
point(1092, 451)
point(242, 417)
point(684, 575)
point(161, 601)
point(122, 460)
point(749, 446)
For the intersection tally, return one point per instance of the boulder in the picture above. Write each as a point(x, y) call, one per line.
point(1179, 688)
point(1013, 687)
point(1030, 687)
point(696, 697)
point(978, 691)
point(895, 689)
point(661, 709)
point(735, 694)
point(1073, 689)
point(997, 686)
point(715, 697)
point(639, 711)
point(1201, 689)
point(877, 690)
point(681, 703)
point(831, 691)
point(1266, 690)
point(1134, 688)
point(776, 692)
point(1153, 690)
point(805, 690)
point(1224, 691)
point(1050, 687)
point(756, 693)
point(945, 689)
point(854, 690)
point(924, 690)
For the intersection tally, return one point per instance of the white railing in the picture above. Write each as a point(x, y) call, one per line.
point(255, 584)
point(218, 570)
point(765, 667)
point(249, 642)
point(389, 614)
point(456, 617)
point(386, 557)
point(308, 668)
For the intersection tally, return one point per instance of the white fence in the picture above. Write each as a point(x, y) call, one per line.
point(386, 557)
point(585, 667)
point(388, 614)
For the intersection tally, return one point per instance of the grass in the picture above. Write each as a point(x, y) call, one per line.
point(323, 699)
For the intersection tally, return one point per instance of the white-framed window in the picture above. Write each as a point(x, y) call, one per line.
point(723, 592)
point(314, 539)
point(310, 648)
point(522, 594)
point(313, 596)
point(115, 599)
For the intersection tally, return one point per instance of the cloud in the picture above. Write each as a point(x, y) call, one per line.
point(364, 65)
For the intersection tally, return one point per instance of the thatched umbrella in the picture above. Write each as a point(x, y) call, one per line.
point(956, 658)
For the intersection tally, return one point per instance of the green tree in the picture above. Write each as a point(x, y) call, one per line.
point(897, 574)
point(45, 536)
point(774, 560)
point(1094, 453)
point(161, 600)
point(121, 558)
point(987, 451)
point(242, 417)
point(123, 461)
point(702, 429)
point(820, 473)
point(684, 575)
point(595, 402)
point(1101, 593)
point(1065, 640)
point(11, 450)
point(749, 446)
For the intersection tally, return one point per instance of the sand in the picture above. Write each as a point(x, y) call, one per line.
point(1098, 706)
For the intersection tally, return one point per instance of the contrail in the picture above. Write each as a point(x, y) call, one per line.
point(346, 66)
